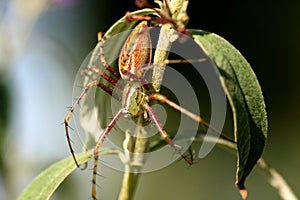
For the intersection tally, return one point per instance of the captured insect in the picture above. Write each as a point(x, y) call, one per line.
point(136, 96)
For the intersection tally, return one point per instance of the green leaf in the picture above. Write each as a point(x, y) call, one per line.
point(245, 97)
point(45, 184)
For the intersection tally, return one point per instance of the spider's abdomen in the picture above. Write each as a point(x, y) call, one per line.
point(133, 98)
point(136, 52)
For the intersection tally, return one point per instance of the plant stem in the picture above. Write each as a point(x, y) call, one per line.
point(134, 148)
point(129, 183)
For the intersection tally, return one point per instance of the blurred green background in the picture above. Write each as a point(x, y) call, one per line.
point(42, 44)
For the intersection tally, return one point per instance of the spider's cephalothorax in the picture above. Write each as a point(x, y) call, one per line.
point(133, 98)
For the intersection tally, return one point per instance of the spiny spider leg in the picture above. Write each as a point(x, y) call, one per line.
point(77, 102)
point(130, 75)
point(102, 57)
point(134, 99)
point(167, 62)
point(198, 119)
point(103, 75)
point(98, 145)
point(163, 133)
point(113, 122)
point(91, 84)
point(164, 12)
point(130, 17)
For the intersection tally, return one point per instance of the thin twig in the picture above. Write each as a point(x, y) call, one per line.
point(277, 181)
point(274, 178)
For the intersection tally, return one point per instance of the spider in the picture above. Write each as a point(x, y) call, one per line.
point(137, 94)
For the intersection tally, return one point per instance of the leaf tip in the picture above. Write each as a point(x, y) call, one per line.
point(243, 193)
point(242, 189)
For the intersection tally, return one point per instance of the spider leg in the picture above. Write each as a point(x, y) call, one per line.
point(103, 75)
point(163, 133)
point(167, 62)
point(102, 57)
point(77, 102)
point(166, 15)
point(164, 99)
point(98, 145)
point(129, 17)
